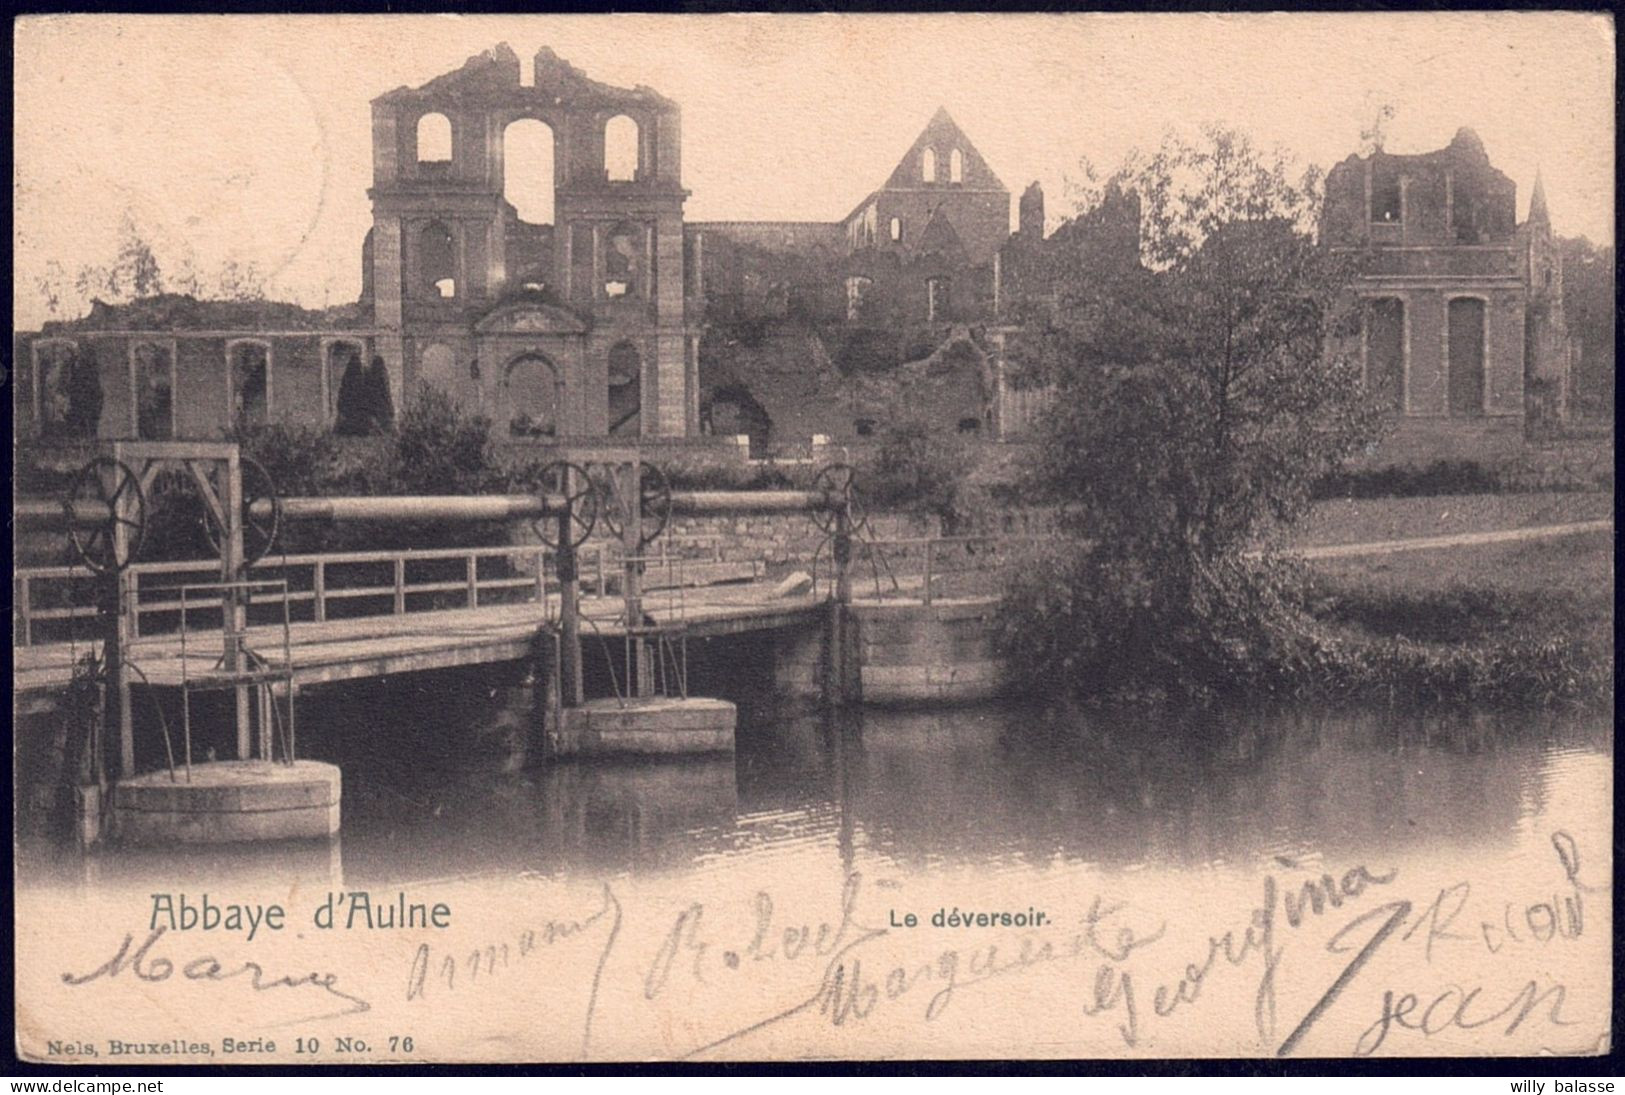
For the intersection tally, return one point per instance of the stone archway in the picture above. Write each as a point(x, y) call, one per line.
point(530, 396)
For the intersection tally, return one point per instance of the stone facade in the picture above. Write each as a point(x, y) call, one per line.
point(576, 326)
point(568, 321)
point(576, 313)
point(1452, 326)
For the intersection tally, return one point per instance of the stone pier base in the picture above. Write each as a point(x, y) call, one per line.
point(228, 802)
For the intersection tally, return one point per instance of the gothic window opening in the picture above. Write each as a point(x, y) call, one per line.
point(621, 149)
point(249, 366)
point(936, 298)
point(153, 377)
point(1465, 332)
point(956, 166)
point(896, 230)
point(437, 260)
point(625, 389)
point(530, 396)
point(527, 170)
point(622, 255)
point(928, 166)
point(434, 139)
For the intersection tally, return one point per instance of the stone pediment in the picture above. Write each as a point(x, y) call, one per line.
point(528, 319)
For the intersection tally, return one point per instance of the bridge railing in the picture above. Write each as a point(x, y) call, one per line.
point(336, 585)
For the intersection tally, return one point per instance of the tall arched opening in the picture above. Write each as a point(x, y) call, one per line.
point(530, 397)
point(527, 169)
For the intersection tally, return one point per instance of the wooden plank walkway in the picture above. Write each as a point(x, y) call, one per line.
point(341, 650)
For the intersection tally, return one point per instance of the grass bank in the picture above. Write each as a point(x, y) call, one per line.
point(1528, 623)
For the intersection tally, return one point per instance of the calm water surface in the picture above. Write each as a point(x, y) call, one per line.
point(990, 789)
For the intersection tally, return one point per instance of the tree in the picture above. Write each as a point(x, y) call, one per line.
point(1197, 402)
point(1588, 304)
point(84, 390)
point(364, 404)
point(134, 274)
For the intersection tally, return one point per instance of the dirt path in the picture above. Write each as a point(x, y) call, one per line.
point(1464, 539)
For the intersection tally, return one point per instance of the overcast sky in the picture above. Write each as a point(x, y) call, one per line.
point(248, 138)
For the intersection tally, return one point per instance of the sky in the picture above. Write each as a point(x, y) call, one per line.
point(247, 139)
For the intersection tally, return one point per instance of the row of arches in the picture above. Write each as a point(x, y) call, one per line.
point(624, 253)
point(528, 158)
point(69, 380)
point(929, 167)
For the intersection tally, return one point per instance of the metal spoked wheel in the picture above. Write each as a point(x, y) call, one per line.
point(563, 478)
point(261, 513)
point(654, 505)
point(107, 484)
point(836, 482)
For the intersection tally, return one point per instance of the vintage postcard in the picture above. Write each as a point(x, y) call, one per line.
point(812, 537)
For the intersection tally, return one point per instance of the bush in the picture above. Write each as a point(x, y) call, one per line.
point(1524, 473)
point(1107, 629)
point(1119, 627)
point(914, 469)
point(439, 450)
point(1410, 481)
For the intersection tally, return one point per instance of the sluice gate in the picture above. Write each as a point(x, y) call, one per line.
point(266, 791)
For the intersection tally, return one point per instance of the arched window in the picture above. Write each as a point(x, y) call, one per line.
point(67, 389)
point(530, 396)
point(1465, 340)
point(897, 230)
point(527, 170)
point(928, 166)
point(623, 256)
point(437, 260)
point(625, 389)
point(339, 357)
point(1385, 351)
point(152, 375)
point(956, 166)
point(249, 366)
point(434, 138)
point(937, 292)
point(621, 149)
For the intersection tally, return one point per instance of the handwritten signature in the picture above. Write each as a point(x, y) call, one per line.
point(155, 968)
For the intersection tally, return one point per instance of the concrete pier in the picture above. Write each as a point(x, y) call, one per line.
point(229, 802)
point(914, 653)
point(659, 725)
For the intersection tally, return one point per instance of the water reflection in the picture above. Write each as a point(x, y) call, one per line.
point(990, 789)
point(994, 789)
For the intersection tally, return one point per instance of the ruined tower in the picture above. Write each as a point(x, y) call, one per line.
point(560, 313)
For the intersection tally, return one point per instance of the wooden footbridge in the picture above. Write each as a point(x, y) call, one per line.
point(370, 646)
point(647, 606)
